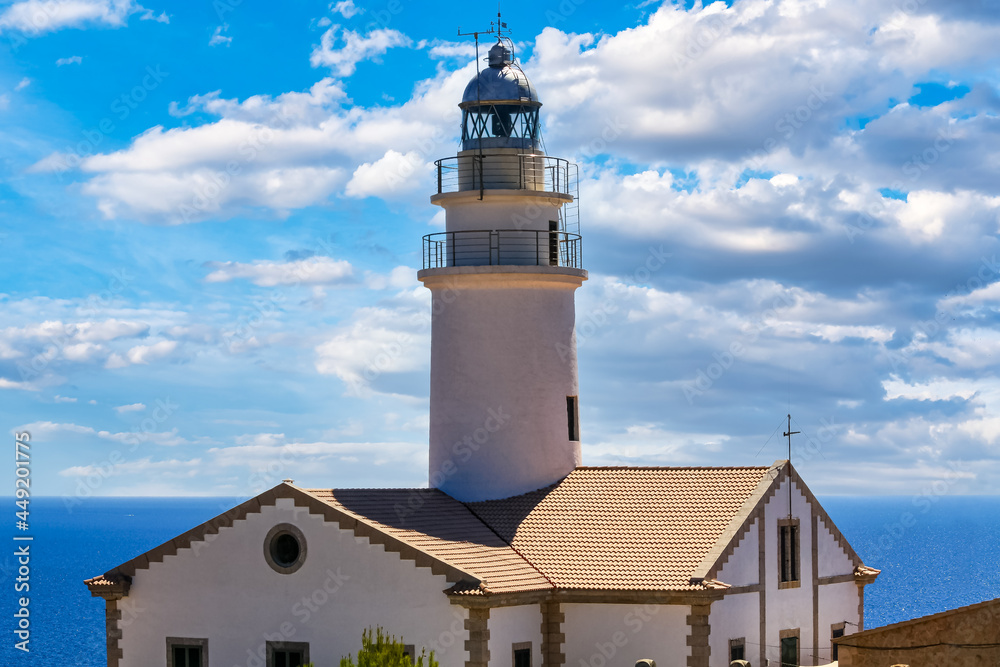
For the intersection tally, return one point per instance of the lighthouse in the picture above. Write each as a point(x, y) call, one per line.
point(504, 395)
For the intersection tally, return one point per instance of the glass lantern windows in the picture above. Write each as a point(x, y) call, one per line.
point(500, 126)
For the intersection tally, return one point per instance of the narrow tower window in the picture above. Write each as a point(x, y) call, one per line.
point(554, 244)
point(788, 551)
point(573, 417)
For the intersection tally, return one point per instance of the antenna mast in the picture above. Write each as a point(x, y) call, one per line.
point(496, 27)
point(789, 433)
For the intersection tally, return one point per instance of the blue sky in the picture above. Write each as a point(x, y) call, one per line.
point(210, 218)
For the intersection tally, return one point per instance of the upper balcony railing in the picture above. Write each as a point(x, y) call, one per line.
point(527, 171)
point(509, 247)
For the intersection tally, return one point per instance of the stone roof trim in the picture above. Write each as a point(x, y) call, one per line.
point(301, 498)
point(865, 575)
point(777, 473)
point(109, 588)
point(739, 526)
point(825, 518)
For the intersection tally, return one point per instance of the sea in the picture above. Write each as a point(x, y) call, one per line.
point(935, 553)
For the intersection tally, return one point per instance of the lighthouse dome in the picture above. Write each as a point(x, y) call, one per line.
point(502, 80)
point(500, 106)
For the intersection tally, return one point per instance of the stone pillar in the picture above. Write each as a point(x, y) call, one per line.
point(112, 614)
point(698, 631)
point(112, 588)
point(553, 637)
point(478, 643)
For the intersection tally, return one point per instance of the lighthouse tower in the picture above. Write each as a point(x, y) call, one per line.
point(504, 409)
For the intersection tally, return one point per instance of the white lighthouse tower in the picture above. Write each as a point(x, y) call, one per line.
point(504, 409)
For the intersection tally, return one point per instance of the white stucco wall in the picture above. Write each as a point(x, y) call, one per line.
point(837, 603)
point(733, 617)
point(833, 560)
point(738, 615)
point(499, 209)
point(223, 590)
point(602, 635)
point(503, 361)
point(742, 569)
point(513, 625)
point(788, 608)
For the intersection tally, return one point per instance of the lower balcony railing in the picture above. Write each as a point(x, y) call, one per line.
point(511, 247)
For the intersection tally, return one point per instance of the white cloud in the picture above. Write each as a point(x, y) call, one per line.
point(63, 399)
point(317, 270)
point(263, 450)
point(439, 49)
point(400, 278)
point(393, 173)
point(343, 60)
point(48, 431)
point(133, 407)
point(966, 348)
point(346, 8)
point(219, 38)
point(34, 17)
point(143, 354)
point(72, 60)
point(147, 466)
point(291, 151)
point(377, 341)
point(23, 83)
point(940, 389)
point(82, 352)
point(149, 15)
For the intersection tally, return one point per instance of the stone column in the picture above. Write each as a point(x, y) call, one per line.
point(478, 643)
point(112, 614)
point(698, 631)
point(553, 637)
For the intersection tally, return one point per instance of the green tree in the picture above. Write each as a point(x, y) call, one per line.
point(381, 650)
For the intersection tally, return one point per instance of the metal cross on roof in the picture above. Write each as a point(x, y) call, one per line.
point(789, 433)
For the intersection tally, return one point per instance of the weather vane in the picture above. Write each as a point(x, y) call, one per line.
point(496, 28)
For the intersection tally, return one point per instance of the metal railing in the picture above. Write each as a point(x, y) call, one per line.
point(527, 171)
point(510, 247)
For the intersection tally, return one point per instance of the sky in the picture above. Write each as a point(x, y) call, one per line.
point(211, 218)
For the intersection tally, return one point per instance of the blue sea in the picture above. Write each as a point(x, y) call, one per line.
point(935, 553)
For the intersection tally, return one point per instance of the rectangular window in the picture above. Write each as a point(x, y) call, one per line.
point(187, 652)
point(522, 654)
point(553, 243)
point(410, 651)
point(789, 648)
point(836, 631)
point(573, 417)
point(737, 649)
point(287, 654)
point(788, 551)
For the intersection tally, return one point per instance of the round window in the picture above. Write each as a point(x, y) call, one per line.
point(285, 548)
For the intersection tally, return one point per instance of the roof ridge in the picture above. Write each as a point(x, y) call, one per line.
point(510, 544)
point(327, 489)
point(671, 468)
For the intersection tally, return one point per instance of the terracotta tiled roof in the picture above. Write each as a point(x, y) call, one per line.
point(598, 529)
point(624, 528)
point(444, 528)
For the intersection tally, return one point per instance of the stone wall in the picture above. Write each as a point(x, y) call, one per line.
point(956, 638)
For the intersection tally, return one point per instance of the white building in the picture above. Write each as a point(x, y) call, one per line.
point(517, 555)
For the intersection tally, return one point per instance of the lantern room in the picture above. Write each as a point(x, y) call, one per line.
point(500, 107)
